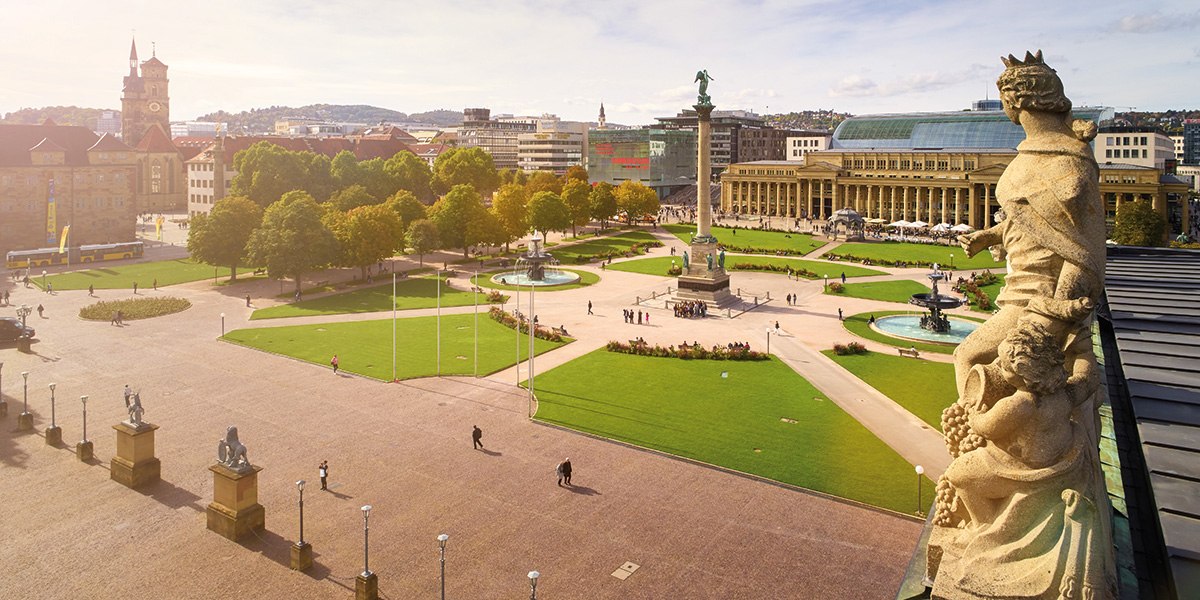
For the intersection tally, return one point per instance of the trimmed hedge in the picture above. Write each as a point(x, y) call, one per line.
point(687, 352)
point(134, 308)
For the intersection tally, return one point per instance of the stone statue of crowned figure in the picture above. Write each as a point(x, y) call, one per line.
point(1022, 511)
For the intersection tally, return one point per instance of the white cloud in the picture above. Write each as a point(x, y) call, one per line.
point(1156, 22)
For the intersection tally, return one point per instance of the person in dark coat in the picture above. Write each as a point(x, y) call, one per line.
point(476, 435)
point(564, 472)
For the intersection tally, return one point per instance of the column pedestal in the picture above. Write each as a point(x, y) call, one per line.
point(302, 556)
point(83, 451)
point(366, 587)
point(25, 422)
point(235, 511)
point(699, 283)
point(135, 464)
point(53, 436)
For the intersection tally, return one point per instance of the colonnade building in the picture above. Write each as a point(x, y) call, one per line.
point(932, 167)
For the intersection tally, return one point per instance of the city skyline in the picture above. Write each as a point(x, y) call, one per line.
point(638, 59)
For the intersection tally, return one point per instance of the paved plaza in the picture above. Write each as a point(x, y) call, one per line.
point(695, 531)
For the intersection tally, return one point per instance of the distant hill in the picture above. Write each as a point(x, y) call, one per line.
point(63, 115)
point(827, 120)
point(263, 119)
point(1170, 121)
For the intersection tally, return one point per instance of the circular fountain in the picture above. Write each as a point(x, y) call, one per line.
point(935, 303)
point(932, 326)
point(531, 268)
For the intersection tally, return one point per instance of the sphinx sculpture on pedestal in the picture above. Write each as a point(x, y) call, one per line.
point(1022, 511)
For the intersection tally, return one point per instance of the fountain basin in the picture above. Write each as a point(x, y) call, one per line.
point(551, 277)
point(908, 327)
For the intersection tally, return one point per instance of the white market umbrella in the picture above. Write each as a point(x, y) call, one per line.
point(918, 224)
point(940, 227)
point(962, 228)
point(900, 223)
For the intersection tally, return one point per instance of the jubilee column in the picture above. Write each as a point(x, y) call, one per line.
point(704, 277)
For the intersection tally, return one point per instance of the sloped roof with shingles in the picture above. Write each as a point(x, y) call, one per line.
point(17, 140)
point(156, 141)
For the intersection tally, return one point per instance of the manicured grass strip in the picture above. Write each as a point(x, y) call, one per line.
point(134, 309)
point(732, 421)
point(918, 255)
point(420, 292)
point(658, 265)
point(887, 291)
point(860, 325)
point(617, 244)
point(753, 238)
point(922, 387)
point(586, 278)
point(365, 347)
point(122, 277)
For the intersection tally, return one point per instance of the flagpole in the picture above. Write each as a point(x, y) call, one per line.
point(517, 316)
point(439, 323)
point(476, 290)
point(532, 329)
point(393, 324)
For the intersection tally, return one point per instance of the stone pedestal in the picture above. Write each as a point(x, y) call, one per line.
point(366, 586)
point(235, 511)
point(83, 451)
point(53, 436)
point(135, 464)
point(3, 409)
point(25, 422)
point(698, 282)
point(302, 556)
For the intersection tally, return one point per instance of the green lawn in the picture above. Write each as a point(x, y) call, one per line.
point(418, 292)
point(617, 244)
point(586, 278)
point(923, 387)
point(919, 255)
point(887, 291)
point(860, 325)
point(733, 421)
point(753, 238)
point(658, 265)
point(122, 277)
point(365, 347)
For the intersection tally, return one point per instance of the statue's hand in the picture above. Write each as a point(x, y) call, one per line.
point(974, 243)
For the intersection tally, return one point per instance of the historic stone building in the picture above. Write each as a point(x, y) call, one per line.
point(161, 185)
point(52, 176)
point(144, 99)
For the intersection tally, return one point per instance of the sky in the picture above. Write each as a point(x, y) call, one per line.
point(638, 57)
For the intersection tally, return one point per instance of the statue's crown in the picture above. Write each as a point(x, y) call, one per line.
point(1030, 60)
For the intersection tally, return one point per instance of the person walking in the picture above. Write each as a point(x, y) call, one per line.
point(91, 290)
point(476, 436)
point(128, 393)
point(40, 310)
point(135, 288)
point(589, 307)
point(247, 300)
point(639, 317)
point(334, 362)
point(323, 471)
point(563, 470)
point(839, 314)
point(843, 277)
point(156, 284)
point(49, 288)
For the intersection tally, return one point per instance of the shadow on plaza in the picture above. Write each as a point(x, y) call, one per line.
point(279, 550)
point(172, 496)
point(583, 490)
point(10, 454)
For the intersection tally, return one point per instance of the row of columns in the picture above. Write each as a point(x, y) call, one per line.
point(816, 198)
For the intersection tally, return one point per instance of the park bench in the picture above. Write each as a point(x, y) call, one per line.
point(909, 352)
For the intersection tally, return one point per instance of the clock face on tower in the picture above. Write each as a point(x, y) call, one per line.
point(154, 107)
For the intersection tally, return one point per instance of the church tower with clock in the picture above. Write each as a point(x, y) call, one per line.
point(144, 99)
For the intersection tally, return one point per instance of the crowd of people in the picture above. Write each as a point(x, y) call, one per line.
point(632, 316)
point(690, 309)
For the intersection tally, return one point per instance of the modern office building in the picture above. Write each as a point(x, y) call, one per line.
point(1145, 146)
point(109, 121)
point(1191, 142)
point(763, 143)
point(807, 141)
point(937, 168)
point(554, 147)
point(663, 159)
point(1177, 142)
point(725, 127)
point(497, 136)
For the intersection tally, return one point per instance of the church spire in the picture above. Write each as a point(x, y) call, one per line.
point(133, 59)
point(601, 122)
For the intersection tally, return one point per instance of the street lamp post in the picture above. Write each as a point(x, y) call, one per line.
point(442, 550)
point(366, 511)
point(53, 432)
point(83, 450)
point(769, 340)
point(826, 283)
point(43, 280)
point(920, 473)
point(25, 420)
point(222, 324)
point(302, 552)
point(533, 577)
point(366, 584)
point(300, 487)
point(951, 260)
point(22, 312)
point(3, 402)
point(52, 415)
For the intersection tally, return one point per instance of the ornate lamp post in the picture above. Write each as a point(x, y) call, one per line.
point(300, 487)
point(222, 324)
point(301, 551)
point(920, 474)
point(366, 585)
point(25, 419)
point(442, 551)
point(23, 311)
point(533, 577)
point(83, 450)
point(53, 432)
point(3, 402)
point(366, 511)
point(43, 280)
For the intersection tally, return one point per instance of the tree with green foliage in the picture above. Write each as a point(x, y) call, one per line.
point(422, 237)
point(366, 235)
point(1138, 224)
point(577, 173)
point(637, 200)
point(352, 197)
point(409, 172)
point(452, 212)
point(344, 170)
point(292, 240)
point(407, 208)
point(220, 237)
point(485, 230)
point(469, 166)
point(511, 207)
point(547, 212)
point(317, 180)
point(266, 172)
point(603, 202)
point(543, 181)
point(575, 196)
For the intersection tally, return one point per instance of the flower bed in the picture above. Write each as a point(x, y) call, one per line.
point(687, 352)
point(522, 325)
point(848, 349)
point(634, 250)
point(134, 308)
point(798, 272)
